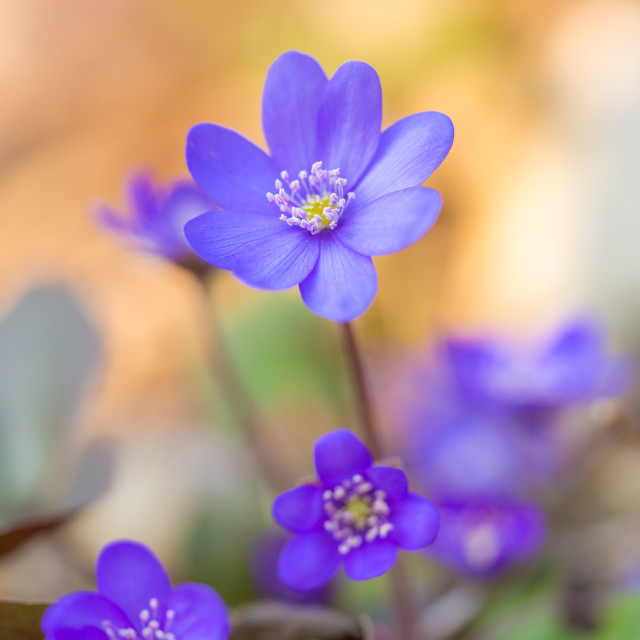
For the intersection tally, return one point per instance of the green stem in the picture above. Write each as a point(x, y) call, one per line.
point(238, 397)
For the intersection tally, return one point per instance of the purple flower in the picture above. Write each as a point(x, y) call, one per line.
point(135, 601)
point(570, 367)
point(482, 538)
point(156, 215)
point(333, 192)
point(264, 568)
point(459, 452)
point(356, 513)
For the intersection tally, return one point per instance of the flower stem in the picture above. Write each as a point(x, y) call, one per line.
point(363, 398)
point(401, 596)
point(402, 599)
point(238, 397)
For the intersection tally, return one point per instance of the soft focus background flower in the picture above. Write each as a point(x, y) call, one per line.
point(154, 215)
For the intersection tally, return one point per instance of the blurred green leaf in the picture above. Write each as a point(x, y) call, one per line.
point(622, 619)
point(48, 349)
point(219, 546)
point(20, 620)
point(284, 351)
point(92, 480)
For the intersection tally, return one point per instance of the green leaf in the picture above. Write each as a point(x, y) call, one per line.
point(48, 349)
point(285, 352)
point(20, 620)
point(622, 619)
point(92, 479)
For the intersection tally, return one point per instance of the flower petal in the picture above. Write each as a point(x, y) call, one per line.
point(86, 633)
point(221, 237)
point(339, 455)
point(184, 203)
point(300, 509)
point(130, 575)
point(292, 96)
point(415, 522)
point(409, 152)
point(200, 613)
point(141, 195)
point(391, 480)
point(82, 609)
point(309, 560)
point(279, 261)
point(370, 560)
point(342, 285)
point(231, 170)
point(390, 223)
point(349, 120)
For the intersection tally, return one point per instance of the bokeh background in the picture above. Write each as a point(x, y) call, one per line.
point(540, 221)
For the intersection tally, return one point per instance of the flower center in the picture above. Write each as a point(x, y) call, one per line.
point(481, 546)
point(153, 628)
point(356, 513)
point(314, 201)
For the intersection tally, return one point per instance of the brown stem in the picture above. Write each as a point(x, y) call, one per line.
point(238, 397)
point(404, 607)
point(401, 595)
point(363, 398)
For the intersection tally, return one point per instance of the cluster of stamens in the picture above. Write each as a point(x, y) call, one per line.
point(152, 627)
point(356, 513)
point(313, 201)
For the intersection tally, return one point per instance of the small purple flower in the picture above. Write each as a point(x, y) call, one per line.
point(135, 601)
point(569, 368)
point(356, 513)
point(156, 215)
point(482, 538)
point(334, 191)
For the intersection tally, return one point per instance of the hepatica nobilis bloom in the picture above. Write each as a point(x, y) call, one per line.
point(570, 367)
point(334, 191)
point(483, 538)
point(356, 513)
point(135, 601)
point(156, 214)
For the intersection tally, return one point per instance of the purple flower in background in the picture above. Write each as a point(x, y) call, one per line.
point(334, 191)
point(482, 538)
point(135, 601)
point(156, 215)
point(357, 514)
point(463, 453)
point(569, 368)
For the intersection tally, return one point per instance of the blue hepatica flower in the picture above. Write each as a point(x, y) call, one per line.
point(334, 191)
point(479, 471)
point(482, 538)
point(357, 514)
point(156, 215)
point(461, 452)
point(135, 601)
point(569, 368)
